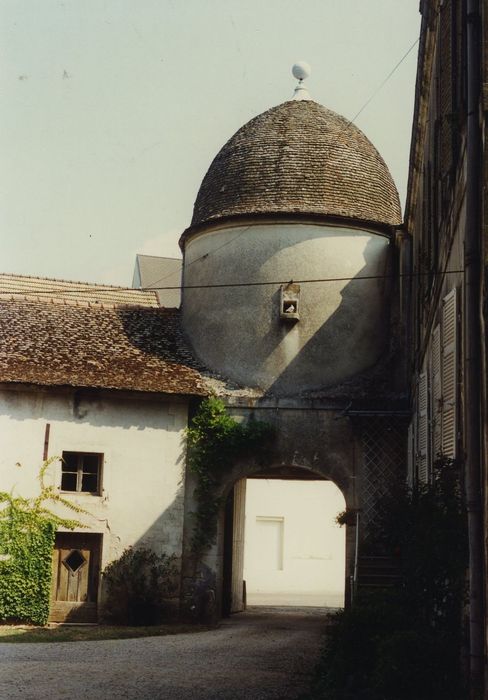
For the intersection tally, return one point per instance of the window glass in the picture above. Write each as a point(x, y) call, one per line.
point(68, 482)
point(90, 464)
point(81, 472)
point(89, 482)
point(70, 461)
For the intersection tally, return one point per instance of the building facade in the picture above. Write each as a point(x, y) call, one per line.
point(290, 314)
point(98, 377)
point(446, 245)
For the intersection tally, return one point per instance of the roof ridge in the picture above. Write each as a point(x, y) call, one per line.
point(158, 257)
point(64, 301)
point(5, 296)
point(95, 285)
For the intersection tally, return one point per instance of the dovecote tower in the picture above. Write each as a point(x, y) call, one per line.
point(286, 259)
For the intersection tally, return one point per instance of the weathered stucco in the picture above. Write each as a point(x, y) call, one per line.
point(237, 330)
point(142, 443)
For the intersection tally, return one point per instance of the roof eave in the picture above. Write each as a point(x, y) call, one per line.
point(128, 392)
point(382, 228)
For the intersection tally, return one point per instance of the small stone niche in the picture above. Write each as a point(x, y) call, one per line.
point(290, 302)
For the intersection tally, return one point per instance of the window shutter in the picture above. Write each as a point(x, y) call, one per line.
point(411, 451)
point(449, 374)
point(423, 429)
point(436, 391)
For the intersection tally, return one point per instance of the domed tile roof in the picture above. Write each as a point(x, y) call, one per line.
point(298, 158)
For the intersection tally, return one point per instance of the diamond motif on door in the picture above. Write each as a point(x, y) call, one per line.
point(74, 561)
point(75, 580)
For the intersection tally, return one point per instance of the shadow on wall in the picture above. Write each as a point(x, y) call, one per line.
point(171, 533)
point(163, 536)
point(350, 341)
point(342, 330)
point(88, 407)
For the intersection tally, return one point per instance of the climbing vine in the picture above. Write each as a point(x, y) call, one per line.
point(215, 442)
point(27, 529)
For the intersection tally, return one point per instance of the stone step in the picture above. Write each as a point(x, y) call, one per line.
point(377, 572)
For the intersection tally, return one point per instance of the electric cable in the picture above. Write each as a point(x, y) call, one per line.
point(321, 280)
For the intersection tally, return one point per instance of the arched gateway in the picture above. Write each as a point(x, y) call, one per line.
point(290, 295)
point(362, 454)
point(280, 549)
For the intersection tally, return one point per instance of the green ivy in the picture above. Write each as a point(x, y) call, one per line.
point(27, 531)
point(215, 442)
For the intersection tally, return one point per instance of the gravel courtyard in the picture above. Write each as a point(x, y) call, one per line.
point(259, 655)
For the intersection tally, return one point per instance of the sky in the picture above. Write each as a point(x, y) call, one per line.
point(111, 111)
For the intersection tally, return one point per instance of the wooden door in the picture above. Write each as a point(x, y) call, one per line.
point(76, 564)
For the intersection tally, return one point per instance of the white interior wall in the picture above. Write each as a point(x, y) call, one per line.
point(294, 551)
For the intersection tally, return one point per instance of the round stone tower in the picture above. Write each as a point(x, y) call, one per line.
point(287, 257)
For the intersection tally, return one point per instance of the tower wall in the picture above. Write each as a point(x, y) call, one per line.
point(241, 331)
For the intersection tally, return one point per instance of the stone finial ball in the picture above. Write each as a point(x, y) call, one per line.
point(301, 70)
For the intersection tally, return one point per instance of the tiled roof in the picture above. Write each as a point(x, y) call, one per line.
point(119, 347)
point(298, 157)
point(45, 289)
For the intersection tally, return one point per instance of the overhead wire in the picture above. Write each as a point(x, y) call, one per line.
point(201, 257)
point(393, 70)
point(319, 280)
point(307, 281)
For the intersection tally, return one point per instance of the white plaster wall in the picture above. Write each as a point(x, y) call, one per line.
point(313, 556)
point(142, 443)
point(237, 330)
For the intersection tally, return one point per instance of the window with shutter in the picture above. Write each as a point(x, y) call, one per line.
point(436, 392)
point(423, 428)
point(449, 374)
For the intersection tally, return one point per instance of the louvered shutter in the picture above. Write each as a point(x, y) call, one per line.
point(449, 374)
point(436, 392)
point(411, 452)
point(423, 429)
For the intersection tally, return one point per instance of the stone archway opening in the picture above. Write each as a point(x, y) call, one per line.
point(282, 546)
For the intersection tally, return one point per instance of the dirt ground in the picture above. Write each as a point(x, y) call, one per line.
point(260, 654)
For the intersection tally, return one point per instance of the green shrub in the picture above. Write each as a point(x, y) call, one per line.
point(404, 643)
point(138, 588)
point(425, 530)
point(377, 650)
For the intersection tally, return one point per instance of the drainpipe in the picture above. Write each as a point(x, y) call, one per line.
point(405, 241)
point(354, 586)
point(473, 482)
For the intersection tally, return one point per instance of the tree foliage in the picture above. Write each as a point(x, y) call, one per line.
point(405, 642)
point(425, 529)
